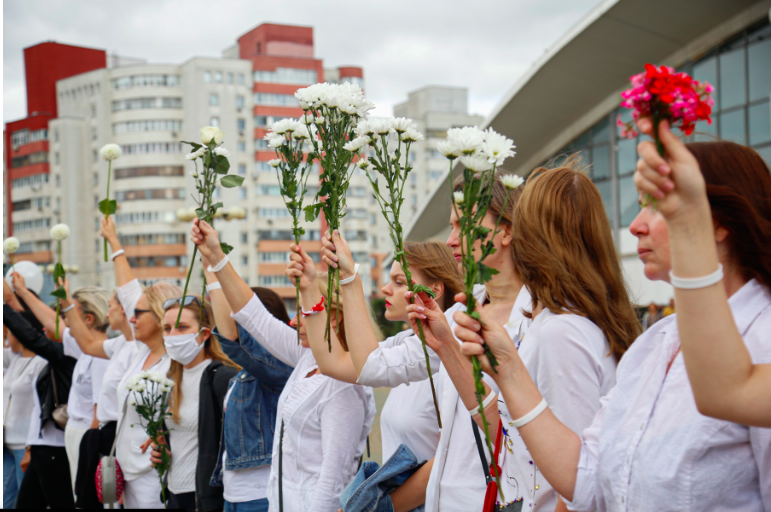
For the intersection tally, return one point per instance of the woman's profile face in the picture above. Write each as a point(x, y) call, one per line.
point(502, 241)
point(394, 290)
point(652, 234)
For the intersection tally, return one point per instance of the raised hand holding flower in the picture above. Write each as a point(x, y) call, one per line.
point(107, 206)
point(59, 233)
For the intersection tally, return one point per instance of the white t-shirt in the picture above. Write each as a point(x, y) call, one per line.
point(242, 485)
point(121, 353)
point(184, 437)
point(50, 435)
point(19, 384)
point(86, 383)
point(409, 416)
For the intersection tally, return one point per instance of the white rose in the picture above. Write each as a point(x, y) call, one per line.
point(110, 152)
point(60, 232)
point(10, 245)
point(212, 133)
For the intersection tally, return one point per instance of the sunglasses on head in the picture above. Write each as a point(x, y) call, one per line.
point(186, 301)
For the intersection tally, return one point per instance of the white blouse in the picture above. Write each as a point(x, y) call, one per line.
point(19, 383)
point(120, 352)
point(569, 359)
point(649, 449)
point(326, 422)
point(86, 383)
point(408, 416)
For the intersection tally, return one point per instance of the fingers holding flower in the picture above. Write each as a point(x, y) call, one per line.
point(435, 326)
point(336, 253)
point(207, 240)
point(108, 231)
point(301, 266)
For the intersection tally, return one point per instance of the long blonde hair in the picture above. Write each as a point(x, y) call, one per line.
point(565, 253)
point(94, 301)
point(335, 307)
point(211, 348)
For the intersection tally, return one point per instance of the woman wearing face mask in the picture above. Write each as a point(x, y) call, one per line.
point(18, 385)
point(46, 482)
point(326, 422)
point(245, 453)
point(455, 478)
point(201, 374)
point(90, 306)
point(726, 384)
point(648, 447)
point(145, 311)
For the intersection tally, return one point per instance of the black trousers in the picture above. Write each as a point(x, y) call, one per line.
point(47, 480)
point(184, 501)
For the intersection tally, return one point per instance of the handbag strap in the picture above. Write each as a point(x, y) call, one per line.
point(117, 431)
point(480, 448)
point(53, 385)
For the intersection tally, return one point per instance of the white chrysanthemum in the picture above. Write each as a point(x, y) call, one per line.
point(349, 109)
point(402, 124)
point(156, 377)
point(274, 163)
point(168, 382)
point(10, 245)
point(319, 120)
point(197, 153)
point(191, 156)
point(458, 197)
point(512, 180)
point(497, 147)
point(363, 127)
point(276, 141)
point(212, 133)
point(221, 151)
point(285, 126)
point(448, 149)
point(307, 118)
point(134, 403)
point(381, 125)
point(412, 135)
point(60, 232)
point(140, 388)
point(110, 152)
point(302, 132)
point(356, 144)
point(477, 163)
point(468, 140)
point(165, 388)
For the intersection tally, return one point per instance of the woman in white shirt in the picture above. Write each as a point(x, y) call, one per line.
point(18, 386)
point(90, 305)
point(325, 421)
point(648, 447)
point(726, 384)
point(142, 488)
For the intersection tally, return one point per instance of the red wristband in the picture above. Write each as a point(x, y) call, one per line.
point(315, 309)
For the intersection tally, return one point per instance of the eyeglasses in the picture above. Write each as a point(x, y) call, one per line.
point(138, 312)
point(186, 301)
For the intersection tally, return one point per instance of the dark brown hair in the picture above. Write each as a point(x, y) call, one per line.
point(435, 261)
point(565, 255)
point(739, 193)
point(272, 302)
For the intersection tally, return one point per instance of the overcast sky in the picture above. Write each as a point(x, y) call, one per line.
point(402, 45)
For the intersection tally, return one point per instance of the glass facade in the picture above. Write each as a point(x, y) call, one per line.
point(740, 70)
point(287, 76)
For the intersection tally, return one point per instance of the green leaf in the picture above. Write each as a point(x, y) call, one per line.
point(486, 273)
point(195, 145)
point(418, 288)
point(216, 206)
point(220, 164)
point(201, 213)
point(312, 212)
point(232, 181)
point(475, 315)
point(108, 206)
point(225, 247)
point(60, 293)
point(58, 272)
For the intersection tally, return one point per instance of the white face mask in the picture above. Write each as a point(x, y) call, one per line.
point(182, 348)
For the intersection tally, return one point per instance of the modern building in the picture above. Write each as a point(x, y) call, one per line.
point(78, 104)
point(568, 102)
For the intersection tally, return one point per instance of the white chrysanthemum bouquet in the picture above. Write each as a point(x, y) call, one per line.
point(389, 140)
point(214, 171)
point(290, 138)
point(108, 206)
point(335, 110)
point(151, 392)
point(10, 246)
point(480, 152)
point(59, 233)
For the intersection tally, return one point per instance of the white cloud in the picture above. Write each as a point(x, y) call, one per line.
point(402, 45)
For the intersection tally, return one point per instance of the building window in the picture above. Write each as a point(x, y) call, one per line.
point(241, 145)
point(141, 172)
point(242, 169)
point(56, 158)
point(244, 238)
point(95, 156)
point(230, 78)
point(56, 135)
point(130, 82)
point(147, 148)
point(147, 125)
point(241, 193)
point(214, 121)
point(241, 123)
point(244, 260)
point(93, 111)
point(94, 134)
point(218, 77)
point(214, 100)
point(239, 102)
point(35, 180)
point(144, 103)
point(151, 193)
point(287, 76)
point(278, 100)
point(240, 79)
point(356, 80)
point(153, 239)
point(207, 77)
point(25, 136)
point(269, 190)
point(274, 213)
point(267, 121)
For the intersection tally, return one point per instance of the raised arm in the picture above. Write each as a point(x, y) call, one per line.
point(335, 363)
point(725, 383)
point(32, 340)
point(78, 330)
point(123, 272)
point(226, 326)
point(40, 309)
point(554, 447)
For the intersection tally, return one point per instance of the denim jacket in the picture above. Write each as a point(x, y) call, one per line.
point(250, 418)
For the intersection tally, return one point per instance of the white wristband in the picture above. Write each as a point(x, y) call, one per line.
point(116, 254)
point(485, 403)
point(213, 286)
point(350, 279)
point(219, 266)
point(68, 308)
point(694, 283)
point(527, 418)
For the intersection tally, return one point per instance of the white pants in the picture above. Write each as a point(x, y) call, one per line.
point(72, 438)
point(144, 492)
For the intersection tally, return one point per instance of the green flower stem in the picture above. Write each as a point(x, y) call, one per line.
point(281, 469)
point(58, 305)
point(107, 216)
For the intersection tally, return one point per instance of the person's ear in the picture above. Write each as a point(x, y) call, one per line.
point(438, 289)
point(721, 233)
point(506, 238)
point(206, 335)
